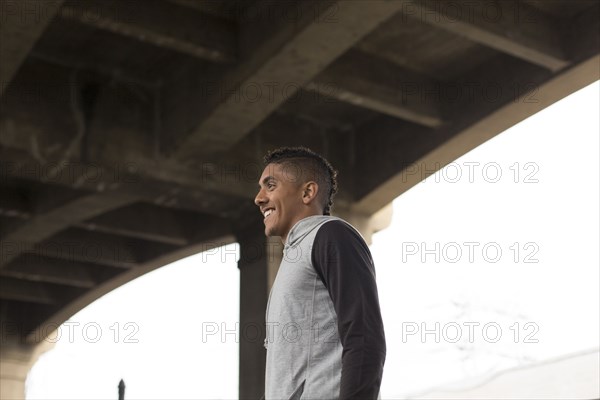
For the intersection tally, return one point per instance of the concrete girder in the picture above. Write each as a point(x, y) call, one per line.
point(40, 268)
point(513, 27)
point(35, 292)
point(148, 180)
point(23, 22)
point(16, 360)
point(479, 132)
point(291, 57)
point(46, 225)
point(185, 31)
point(379, 86)
point(137, 220)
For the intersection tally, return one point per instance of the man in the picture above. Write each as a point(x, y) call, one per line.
point(325, 337)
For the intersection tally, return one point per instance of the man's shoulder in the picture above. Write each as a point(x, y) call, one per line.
point(337, 229)
point(338, 243)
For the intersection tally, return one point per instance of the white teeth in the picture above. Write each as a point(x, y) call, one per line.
point(268, 212)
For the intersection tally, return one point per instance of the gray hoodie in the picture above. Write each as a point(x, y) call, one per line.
point(324, 331)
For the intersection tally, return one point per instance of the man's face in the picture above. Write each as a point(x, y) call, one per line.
point(279, 199)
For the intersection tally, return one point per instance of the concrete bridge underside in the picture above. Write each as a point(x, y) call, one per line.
point(132, 131)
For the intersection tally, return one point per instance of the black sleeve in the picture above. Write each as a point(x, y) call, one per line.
point(343, 261)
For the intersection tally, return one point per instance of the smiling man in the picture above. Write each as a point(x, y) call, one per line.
point(325, 337)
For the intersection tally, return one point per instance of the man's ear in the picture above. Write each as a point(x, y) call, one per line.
point(310, 191)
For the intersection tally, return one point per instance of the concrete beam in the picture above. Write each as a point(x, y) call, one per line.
point(147, 222)
point(75, 244)
point(31, 292)
point(583, 38)
point(390, 146)
point(22, 23)
point(154, 223)
point(51, 270)
point(484, 129)
point(185, 31)
point(225, 10)
point(16, 360)
point(46, 225)
point(140, 221)
point(366, 82)
point(201, 190)
point(74, 61)
point(285, 62)
point(511, 27)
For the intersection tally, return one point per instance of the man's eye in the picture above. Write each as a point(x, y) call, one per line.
point(270, 185)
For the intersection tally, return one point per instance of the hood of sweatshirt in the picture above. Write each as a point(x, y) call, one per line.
point(304, 227)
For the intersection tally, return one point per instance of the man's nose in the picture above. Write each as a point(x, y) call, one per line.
point(260, 198)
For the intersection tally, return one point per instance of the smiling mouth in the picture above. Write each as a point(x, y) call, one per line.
point(268, 212)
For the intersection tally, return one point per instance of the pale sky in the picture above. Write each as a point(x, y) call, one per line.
point(517, 254)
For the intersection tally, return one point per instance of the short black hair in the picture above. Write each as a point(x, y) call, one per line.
point(312, 165)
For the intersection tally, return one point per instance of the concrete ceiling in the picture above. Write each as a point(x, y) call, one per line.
point(132, 131)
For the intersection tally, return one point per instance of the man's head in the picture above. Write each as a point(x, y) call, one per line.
point(296, 183)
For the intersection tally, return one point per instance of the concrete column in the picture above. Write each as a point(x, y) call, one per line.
point(367, 224)
point(16, 360)
point(259, 260)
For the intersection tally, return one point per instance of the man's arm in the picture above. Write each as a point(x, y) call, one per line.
point(343, 261)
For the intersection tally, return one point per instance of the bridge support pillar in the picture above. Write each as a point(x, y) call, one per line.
point(367, 224)
point(259, 260)
point(16, 360)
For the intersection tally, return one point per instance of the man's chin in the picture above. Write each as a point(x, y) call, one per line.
point(271, 231)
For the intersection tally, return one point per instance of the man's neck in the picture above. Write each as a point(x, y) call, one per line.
point(303, 216)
